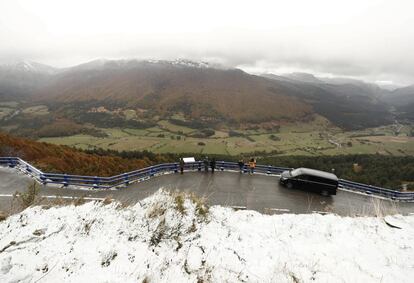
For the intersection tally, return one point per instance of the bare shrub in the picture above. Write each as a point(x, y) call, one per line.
point(378, 207)
point(294, 277)
point(87, 226)
point(156, 210)
point(108, 200)
point(201, 205)
point(179, 244)
point(58, 201)
point(29, 197)
point(159, 233)
point(108, 259)
point(193, 227)
point(179, 202)
point(329, 208)
point(79, 201)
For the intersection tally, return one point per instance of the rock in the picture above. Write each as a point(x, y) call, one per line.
point(39, 232)
point(3, 215)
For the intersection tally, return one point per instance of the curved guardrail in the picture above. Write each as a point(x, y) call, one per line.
point(149, 172)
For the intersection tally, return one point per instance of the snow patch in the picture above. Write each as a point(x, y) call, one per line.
point(165, 238)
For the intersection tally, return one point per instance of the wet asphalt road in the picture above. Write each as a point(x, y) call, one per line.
point(258, 192)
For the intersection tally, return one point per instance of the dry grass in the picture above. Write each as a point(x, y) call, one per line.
point(380, 208)
point(201, 204)
point(79, 201)
point(179, 199)
point(29, 197)
point(375, 207)
point(193, 227)
point(108, 200)
point(156, 211)
point(3, 216)
point(159, 233)
point(329, 208)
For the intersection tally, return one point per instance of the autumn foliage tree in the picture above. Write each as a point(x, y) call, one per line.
point(64, 159)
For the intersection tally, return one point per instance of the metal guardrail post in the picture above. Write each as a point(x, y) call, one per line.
point(269, 170)
point(126, 178)
point(65, 180)
point(96, 182)
point(12, 162)
point(43, 179)
point(176, 168)
point(199, 166)
point(222, 166)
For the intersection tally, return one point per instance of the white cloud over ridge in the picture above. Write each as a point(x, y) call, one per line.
point(370, 39)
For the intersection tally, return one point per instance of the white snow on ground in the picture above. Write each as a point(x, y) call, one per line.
point(158, 240)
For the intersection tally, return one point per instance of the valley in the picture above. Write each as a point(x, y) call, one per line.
point(317, 137)
point(187, 107)
point(206, 141)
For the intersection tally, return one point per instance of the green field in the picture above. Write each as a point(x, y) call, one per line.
point(36, 110)
point(311, 139)
point(5, 111)
point(11, 104)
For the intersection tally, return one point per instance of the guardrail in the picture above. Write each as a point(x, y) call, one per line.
point(149, 172)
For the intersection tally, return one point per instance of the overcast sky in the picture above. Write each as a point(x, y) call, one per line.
point(368, 39)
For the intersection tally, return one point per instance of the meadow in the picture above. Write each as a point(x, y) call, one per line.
point(316, 137)
point(306, 139)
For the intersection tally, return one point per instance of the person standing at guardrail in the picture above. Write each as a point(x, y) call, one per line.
point(241, 165)
point(252, 165)
point(181, 166)
point(206, 163)
point(213, 165)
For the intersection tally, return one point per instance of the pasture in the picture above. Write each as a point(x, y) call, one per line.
point(311, 139)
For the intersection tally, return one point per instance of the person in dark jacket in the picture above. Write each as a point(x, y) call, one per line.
point(206, 163)
point(182, 166)
point(213, 164)
point(241, 165)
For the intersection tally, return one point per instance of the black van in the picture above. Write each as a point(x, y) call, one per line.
point(310, 180)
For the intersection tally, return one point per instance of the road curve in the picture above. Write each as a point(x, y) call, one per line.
point(257, 192)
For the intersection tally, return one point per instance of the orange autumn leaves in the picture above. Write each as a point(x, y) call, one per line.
point(64, 159)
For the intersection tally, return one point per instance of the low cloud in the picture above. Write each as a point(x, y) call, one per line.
point(372, 40)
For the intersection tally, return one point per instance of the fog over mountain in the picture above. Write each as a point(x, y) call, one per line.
point(369, 40)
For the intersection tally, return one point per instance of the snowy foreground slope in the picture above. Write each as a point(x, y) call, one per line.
point(167, 238)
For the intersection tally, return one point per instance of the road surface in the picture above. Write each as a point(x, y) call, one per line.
point(256, 192)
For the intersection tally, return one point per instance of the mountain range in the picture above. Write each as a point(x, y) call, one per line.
point(205, 92)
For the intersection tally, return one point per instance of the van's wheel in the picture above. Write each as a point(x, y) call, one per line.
point(325, 193)
point(289, 185)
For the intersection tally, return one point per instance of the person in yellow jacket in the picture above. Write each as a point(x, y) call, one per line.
point(252, 165)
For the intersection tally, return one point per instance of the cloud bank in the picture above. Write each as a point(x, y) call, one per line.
point(370, 39)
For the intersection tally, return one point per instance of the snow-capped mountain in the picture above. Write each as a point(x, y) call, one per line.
point(101, 64)
point(28, 67)
point(23, 78)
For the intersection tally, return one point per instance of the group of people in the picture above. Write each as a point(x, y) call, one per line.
point(251, 165)
point(206, 162)
point(212, 164)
